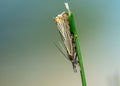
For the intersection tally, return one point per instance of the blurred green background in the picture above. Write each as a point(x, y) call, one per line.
point(28, 56)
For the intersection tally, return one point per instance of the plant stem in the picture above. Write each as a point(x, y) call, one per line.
point(74, 32)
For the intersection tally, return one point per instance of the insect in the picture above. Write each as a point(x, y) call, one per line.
point(67, 38)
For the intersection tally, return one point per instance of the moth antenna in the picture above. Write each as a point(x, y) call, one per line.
point(61, 51)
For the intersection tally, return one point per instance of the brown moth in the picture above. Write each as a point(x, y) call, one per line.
point(64, 29)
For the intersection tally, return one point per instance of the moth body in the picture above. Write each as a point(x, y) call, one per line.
point(67, 37)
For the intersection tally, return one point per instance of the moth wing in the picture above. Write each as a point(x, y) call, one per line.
point(64, 30)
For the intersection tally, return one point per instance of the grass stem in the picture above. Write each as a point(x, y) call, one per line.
point(74, 32)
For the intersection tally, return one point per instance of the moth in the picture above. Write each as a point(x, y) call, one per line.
point(62, 22)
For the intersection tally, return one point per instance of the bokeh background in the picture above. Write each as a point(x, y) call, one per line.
point(28, 56)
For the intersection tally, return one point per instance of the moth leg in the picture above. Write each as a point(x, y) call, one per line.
point(75, 54)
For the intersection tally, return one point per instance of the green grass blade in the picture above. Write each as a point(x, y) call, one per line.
point(74, 32)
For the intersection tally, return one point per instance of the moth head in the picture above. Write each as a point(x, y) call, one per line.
point(60, 17)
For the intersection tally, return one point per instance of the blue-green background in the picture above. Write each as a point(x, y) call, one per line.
point(28, 56)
